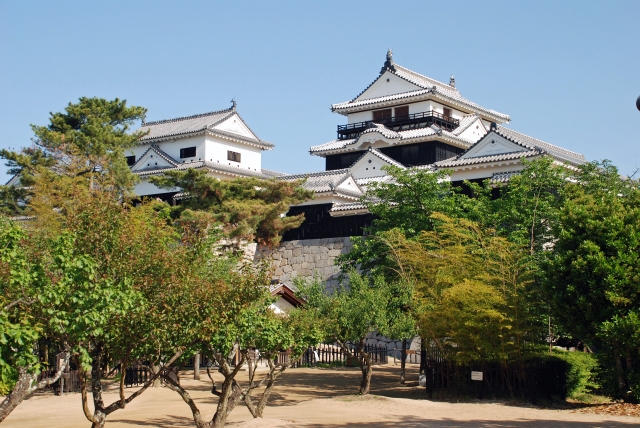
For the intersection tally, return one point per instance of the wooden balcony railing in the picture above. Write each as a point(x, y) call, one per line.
point(398, 123)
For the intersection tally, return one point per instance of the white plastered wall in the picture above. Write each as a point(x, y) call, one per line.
point(475, 131)
point(492, 144)
point(236, 125)
point(216, 152)
point(281, 306)
point(369, 166)
point(144, 188)
point(388, 84)
point(172, 148)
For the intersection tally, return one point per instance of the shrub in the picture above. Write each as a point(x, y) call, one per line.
point(581, 377)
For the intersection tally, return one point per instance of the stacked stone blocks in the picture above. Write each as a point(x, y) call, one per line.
point(306, 258)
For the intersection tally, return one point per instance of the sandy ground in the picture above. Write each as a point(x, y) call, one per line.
point(312, 398)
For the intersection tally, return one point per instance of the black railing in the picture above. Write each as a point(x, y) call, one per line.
point(399, 123)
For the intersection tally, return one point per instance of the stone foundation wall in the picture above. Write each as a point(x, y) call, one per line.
point(308, 257)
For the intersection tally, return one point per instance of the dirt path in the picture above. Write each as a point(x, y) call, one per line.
point(313, 398)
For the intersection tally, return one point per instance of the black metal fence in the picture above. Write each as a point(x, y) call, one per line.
point(533, 379)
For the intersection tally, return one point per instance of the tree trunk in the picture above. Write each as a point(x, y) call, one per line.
point(26, 385)
point(622, 385)
point(196, 366)
point(18, 394)
point(229, 397)
point(156, 383)
point(366, 365)
point(258, 410)
point(403, 360)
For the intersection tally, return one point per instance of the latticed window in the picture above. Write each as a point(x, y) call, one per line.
point(233, 156)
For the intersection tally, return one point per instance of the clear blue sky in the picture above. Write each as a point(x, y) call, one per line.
point(568, 72)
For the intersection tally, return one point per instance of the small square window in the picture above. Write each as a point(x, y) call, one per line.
point(188, 152)
point(233, 156)
point(131, 160)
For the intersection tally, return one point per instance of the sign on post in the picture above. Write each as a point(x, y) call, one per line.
point(476, 375)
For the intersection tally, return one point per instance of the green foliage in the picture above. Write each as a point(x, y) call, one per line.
point(19, 326)
point(592, 274)
point(25, 164)
point(582, 373)
point(97, 130)
point(470, 290)
point(248, 208)
point(364, 305)
point(406, 203)
point(84, 145)
point(528, 208)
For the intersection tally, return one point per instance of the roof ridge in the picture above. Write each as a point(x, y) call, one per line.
point(543, 143)
point(317, 173)
point(195, 116)
point(437, 82)
point(163, 154)
point(384, 157)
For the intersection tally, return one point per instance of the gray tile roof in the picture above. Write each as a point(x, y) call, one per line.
point(377, 127)
point(456, 161)
point(503, 177)
point(530, 142)
point(533, 146)
point(183, 126)
point(429, 86)
point(270, 173)
point(326, 181)
point(213, 166)
point(404, 135)
point(322, 181)
point(347, 206)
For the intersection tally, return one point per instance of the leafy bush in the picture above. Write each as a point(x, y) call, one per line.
point(581, 377)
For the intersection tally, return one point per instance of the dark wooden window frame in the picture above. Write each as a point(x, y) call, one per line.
point(233, 156)
point(187, 152)
point(382, 114)
point(131, 160)
point(401, 111)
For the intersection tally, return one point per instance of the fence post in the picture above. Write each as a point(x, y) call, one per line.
point(196, 366)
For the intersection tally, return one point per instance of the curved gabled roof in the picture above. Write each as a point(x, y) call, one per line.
point(189, 125)
point(531, 143)
point(402, 137)
point(428, 87)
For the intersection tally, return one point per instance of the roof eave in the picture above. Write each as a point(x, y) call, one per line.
point(344, 109)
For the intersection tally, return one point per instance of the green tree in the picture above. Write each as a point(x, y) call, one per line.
point(470, 290)
point(406, 202)
point(249, 209)
point(591, 275)
point(21, 320)
point(364, 306)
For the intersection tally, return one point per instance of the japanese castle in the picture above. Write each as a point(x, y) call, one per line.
point(402, 118)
